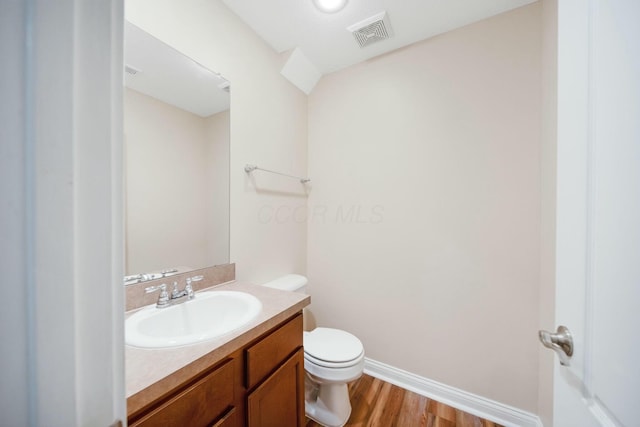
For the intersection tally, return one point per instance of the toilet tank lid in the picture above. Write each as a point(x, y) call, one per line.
point(290, 282)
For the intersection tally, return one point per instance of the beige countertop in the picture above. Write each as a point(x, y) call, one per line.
point(149, 373)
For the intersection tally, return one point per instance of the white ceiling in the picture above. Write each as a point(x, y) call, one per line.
point(325, 41)
point(170, 76)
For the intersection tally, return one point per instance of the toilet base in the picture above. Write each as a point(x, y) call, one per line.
point(327, 404)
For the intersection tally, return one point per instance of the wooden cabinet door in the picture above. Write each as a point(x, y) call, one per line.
point(279, 400)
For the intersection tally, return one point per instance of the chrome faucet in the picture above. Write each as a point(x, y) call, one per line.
point(177, 296)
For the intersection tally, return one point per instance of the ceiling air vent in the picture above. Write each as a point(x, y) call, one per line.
point(372, 30)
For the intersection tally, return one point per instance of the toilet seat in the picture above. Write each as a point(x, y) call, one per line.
point(334, 365)
point(332, 348)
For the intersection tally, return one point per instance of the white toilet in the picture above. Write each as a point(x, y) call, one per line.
point(332, 358)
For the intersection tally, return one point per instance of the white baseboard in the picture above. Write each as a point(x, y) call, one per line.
point(488, 409)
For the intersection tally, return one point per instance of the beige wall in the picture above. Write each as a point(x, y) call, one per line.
point(425, 218)
point(172, 188)
point(268, 127)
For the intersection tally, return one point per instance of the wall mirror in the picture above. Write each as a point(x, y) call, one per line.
point(176, 157)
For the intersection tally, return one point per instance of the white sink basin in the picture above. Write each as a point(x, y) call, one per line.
point(209, 315)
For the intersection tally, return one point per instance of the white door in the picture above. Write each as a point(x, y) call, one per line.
point(598, 212)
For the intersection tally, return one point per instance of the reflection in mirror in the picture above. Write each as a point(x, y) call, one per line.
point(176, 126)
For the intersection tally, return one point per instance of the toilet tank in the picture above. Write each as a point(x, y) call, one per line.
point(290, 282)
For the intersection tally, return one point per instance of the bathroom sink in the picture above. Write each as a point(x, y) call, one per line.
point(209, 315)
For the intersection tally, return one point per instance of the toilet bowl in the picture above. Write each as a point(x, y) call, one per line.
point(332, 358)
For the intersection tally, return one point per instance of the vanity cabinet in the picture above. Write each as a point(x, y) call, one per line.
point(259, 385)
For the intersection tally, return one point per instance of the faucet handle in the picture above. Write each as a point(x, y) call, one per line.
point(193, 279)
point(189, 288)
point(163, 298)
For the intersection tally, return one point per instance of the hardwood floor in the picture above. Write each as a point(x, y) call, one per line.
point(376, 403)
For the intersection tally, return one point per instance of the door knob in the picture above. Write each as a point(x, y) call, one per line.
point(561, 342)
